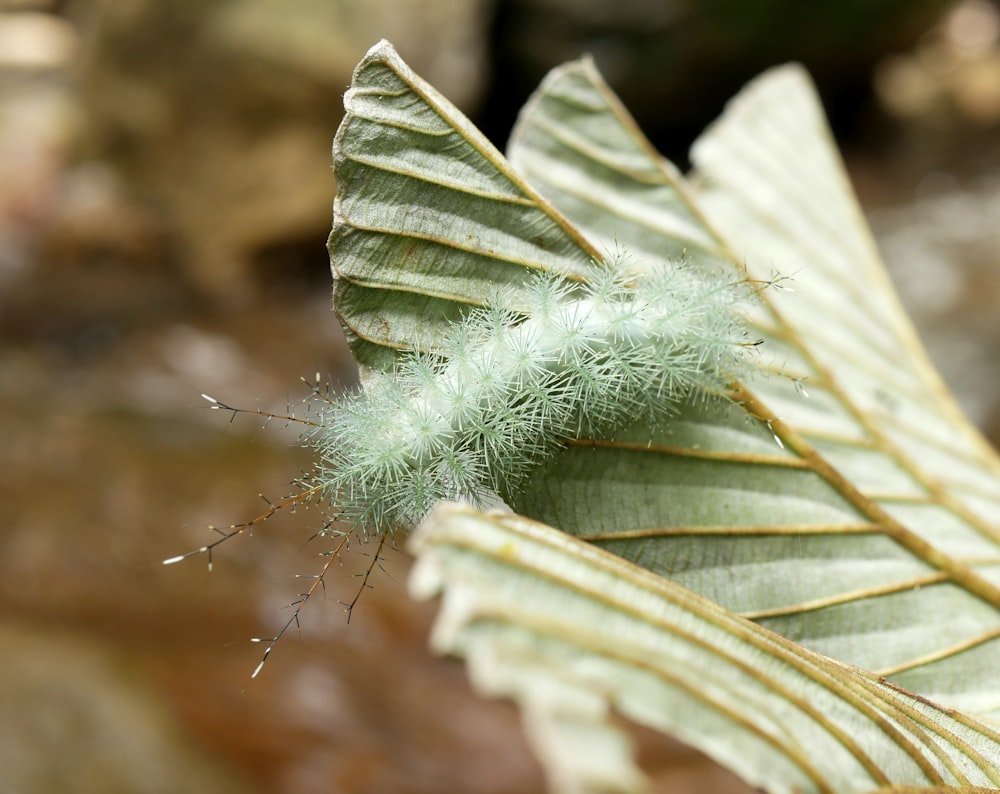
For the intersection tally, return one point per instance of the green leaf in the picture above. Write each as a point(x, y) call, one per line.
point(572, 633)
point(429, 218)
point(859, 521)
point(873, 536)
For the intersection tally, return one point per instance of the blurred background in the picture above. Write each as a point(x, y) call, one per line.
point(165, 194)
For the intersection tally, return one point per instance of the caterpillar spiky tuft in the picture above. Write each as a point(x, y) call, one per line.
point(558, 357)
point(576, 360)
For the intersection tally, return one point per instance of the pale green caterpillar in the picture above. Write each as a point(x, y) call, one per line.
point(559, 359)
point(474, 421)
point(579, 360)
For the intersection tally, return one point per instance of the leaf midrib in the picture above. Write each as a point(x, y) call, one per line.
point(957, 572)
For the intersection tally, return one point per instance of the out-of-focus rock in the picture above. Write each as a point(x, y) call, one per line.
point(942, 251)
point(37, 126)
point(444, 40)
point(954, 74)
point(31, 40)
point(676, 62)
point(74, 719)
point(220, 116)
point(944, 96)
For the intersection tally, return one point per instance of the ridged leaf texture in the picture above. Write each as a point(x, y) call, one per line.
point(842, 509)
point(569, 630)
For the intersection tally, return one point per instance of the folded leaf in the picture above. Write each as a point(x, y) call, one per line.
point(872, 535)
point(573, 633)
point(840, 499)
point(429, 217)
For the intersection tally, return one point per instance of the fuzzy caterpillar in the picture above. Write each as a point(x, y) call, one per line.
point(474, 421)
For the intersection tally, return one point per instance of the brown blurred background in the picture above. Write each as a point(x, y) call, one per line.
point(165, 193)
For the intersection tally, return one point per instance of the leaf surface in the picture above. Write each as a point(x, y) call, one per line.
point(429, 218)
point(874, 540)
point(858, 521)
point(572, 632)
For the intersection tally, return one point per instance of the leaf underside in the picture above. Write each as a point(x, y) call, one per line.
point(885, 549)
point(569, 630)
point(843, 503)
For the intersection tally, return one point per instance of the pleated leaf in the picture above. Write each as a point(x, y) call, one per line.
point(573, 633)
point(840, 500)
point(873, 536)
point(880, 415)
point(429, 217)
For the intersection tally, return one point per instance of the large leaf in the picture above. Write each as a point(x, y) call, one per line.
point(843, 520)
point(875, 539)
point(903, 442)
point(429, 218)
point(572, 632)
